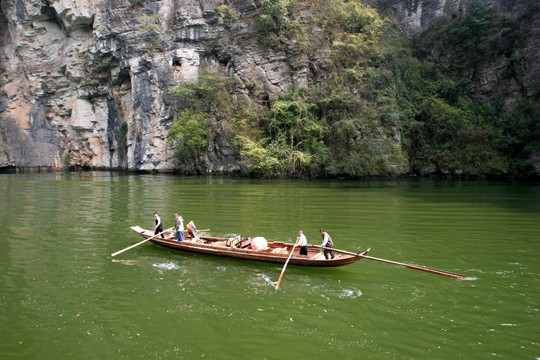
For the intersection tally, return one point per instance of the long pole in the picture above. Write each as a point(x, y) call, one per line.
point(411, 266)
point(139, 243)
point(285, 266)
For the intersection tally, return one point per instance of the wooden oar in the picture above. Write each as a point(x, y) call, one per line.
point(284, 266)
point(416, 267)
point(139, 243)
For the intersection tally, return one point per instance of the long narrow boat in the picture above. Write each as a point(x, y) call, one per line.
point(276, 252)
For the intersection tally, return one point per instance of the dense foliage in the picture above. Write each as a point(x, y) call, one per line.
point(463, 128)
point(381, 107)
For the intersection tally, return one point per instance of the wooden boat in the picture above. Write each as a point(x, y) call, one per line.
point(276, 252)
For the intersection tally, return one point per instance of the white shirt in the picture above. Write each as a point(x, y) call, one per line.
point(302, 241)
point(181, 223)
point(325, 240)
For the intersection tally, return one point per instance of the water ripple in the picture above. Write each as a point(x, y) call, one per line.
point(167, 266)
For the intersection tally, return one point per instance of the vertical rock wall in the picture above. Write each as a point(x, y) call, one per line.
point(84, 83)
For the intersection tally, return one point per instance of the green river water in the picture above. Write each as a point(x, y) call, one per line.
point(62, 295)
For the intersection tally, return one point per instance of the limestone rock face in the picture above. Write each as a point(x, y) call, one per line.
point(84, 83)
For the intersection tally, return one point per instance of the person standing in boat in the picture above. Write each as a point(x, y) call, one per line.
point(327, 243)
point(302, 242)
point(159, 225)
point(179, 225)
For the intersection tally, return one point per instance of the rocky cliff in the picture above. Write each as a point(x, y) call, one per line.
point(414, 16)
point(85, 83)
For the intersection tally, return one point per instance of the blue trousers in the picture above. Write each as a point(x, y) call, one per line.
point(180, 235)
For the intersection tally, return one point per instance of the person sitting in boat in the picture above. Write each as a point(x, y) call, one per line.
point(246, 242)
point(192, 229)
point(159, 225)
point(232, 242)
point(179, 227)
point(301, 241)
point(328, 243)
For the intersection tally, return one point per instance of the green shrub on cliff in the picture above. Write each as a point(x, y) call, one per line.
point(189, 133)
point(273, 14)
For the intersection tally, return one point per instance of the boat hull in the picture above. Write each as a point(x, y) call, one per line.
point(277, 252)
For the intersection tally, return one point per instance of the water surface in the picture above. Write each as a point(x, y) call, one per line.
point(63, 295)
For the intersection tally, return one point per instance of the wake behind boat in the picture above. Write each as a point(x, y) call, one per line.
point(276, 252)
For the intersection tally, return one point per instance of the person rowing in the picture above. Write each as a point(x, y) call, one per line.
point(179, 226)
point(327, 243)
point(159, 225)
point(302, 242)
